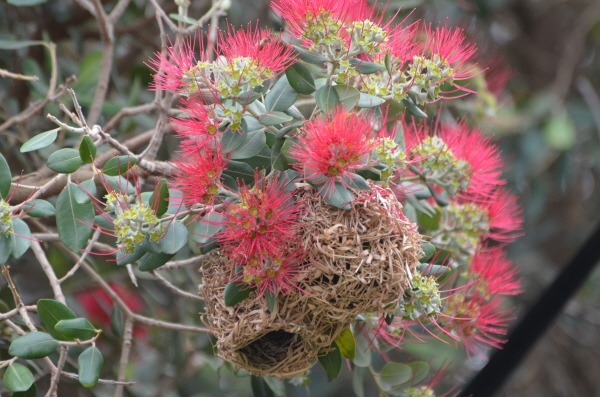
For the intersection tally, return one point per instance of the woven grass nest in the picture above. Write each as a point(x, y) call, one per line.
point(359, 261)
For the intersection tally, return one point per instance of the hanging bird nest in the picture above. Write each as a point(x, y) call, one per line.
point(358, 261)
point(282, 343)
point(363, 258)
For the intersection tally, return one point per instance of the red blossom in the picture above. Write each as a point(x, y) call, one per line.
point(199, 127)
point(261, 222)
point(198, 175)
point(452, 46)
point(332, 147)
point(497, 275)
point(171, 67)
point(505, 216)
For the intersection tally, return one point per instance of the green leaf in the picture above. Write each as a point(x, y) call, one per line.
point(419, 370)
point(274, 118)
point(33, 345)
point(277, 386)
point(355, 181)
point(117, 321)
point(5, 178)
point(39, 208)
point(5, 248)
point(327, 98)
point(210, 225)
point(364, 67)
point(271, 299)
point(120, 184)
point(232, 140)
point(288, 128)
point(429, 222)
point(118, 165)
point(281, 96)
point(340, 197)
point(369, 101)
point(236, 291)
point(40, 141)
point(15, 45)
point(17, 378)
point(51, 312)
point(32, 391)
point(347, 344)
point(247, 97)
point(175, 238)
point(253, 144)
point(278, 160)
point(20, 238)
point(437, 271)
point(260, 387)
point(84, 191)
point(87, 150)
point(159, 201)
point(152, 261)
point(239, 170)
point(73, 219)
point(77, 328)
point(260, 160)
point(188, 20)
point(393, 374)
point(124, 259)
point(413, 109)
point(363, 351)
point(332, 362)
point(310, 56)
point(64, 161)
point(429, 250)
point(90, 364)
point(358, 375)
point(347, 96)
point(300, 79)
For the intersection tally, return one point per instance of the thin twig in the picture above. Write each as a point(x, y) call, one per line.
point(183, 263)
point(52, 390)
point(15, 312)
point(84, 255)
point(174, 288)
point(125, 349)
point(17, 76)
point(47, 268)
point(18, 301)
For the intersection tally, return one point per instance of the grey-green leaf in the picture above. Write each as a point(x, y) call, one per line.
point(281, 96)
point(235, 292)
point(340, 197)
point(20, 238)
point(369, 101)
point(274, 118)
point(278, 160)
point(33, 345)
point(253, 144)
point(152, 261)
point(39, 208)
point(310, 56)
point(175, 238)
point(17, 378)
point(5, 248)
point(73, 219)
point(300, 79)
point(365, 67)
point(77, 328)
point(210, 225)
point(159, 201)
point(239, 170)
point(83, 192)
point(87, 149)
point(327, 98)
point(413, 109)
point(90, 364)
point(40, 141)
point(355, 181)
point(64, 161)
point(15, 45)
point(118, 165)
point(51, 312)
point(5, 178)
point(347, 96)
point(393, 374)
point(32, 391)
point(332, 362)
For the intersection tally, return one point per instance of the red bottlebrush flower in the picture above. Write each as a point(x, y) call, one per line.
point(200, 127)
point(477, 321)
point(198, 176)
point(465, 161)
point(452, 47)
point(505, 216)
point(275, 272)
point(332, 147)
point(172, 67)
point(496, 275)
point(259, 224)
point(266, 56)
point(98, 305)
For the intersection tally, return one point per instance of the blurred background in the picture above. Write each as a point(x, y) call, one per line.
point(547, 122)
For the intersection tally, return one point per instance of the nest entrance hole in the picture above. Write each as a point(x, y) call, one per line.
point(272, 348)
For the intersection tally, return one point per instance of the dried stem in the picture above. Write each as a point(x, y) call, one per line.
point(17, 76)
point(52, 390)
point(47, 268)
point(174, 288)
point(18, 301)
point(15, 312)
point(126, 348)
point(86, 252)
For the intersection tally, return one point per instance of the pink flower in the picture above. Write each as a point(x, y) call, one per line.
point(331, 148)
point(172, 67)
point(478, 322)
point(267, 54)
point(198, 176)
point(199, 127)
point(505, 216)
point(496, 275)
point(259, 224)
point(461, 159)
